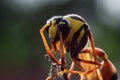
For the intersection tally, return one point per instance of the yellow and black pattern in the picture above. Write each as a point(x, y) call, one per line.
point(74, 31)
point(71, 33)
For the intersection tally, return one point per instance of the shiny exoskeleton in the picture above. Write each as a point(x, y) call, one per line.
point(72, 33)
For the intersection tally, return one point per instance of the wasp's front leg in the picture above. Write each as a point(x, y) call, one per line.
point(52, 57)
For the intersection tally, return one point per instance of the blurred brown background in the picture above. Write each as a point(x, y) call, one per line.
point(21, 49)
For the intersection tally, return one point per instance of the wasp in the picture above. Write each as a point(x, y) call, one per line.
point(71, 34)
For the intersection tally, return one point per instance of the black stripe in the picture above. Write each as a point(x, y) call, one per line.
point(74, 46)
point(65, 31)
point(77, 17)
point(114, 77)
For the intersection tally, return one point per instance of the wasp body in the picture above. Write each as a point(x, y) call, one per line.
point(69, 33)
point(74, 33)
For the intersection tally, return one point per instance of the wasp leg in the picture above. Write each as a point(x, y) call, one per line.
point(99, 52)
point(81, 73)
point(87, 54)
point(62, 50)
point(46, 45)
point(107, 66)
point(78, 62)
point(92, 45)
point(71, 68)
point(54, 48)
point(93, 51)
point(63, 72)
point(62, 56)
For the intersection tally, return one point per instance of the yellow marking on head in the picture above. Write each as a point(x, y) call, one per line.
point(52, 31)
point(61, 22)
point(74, 24)
point(53, 22)
point(81, 34)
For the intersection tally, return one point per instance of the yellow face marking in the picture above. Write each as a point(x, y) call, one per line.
point(52, 31)
point(61, 22)
point(75, 24)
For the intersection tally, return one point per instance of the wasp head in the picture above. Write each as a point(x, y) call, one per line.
point(58, 25)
